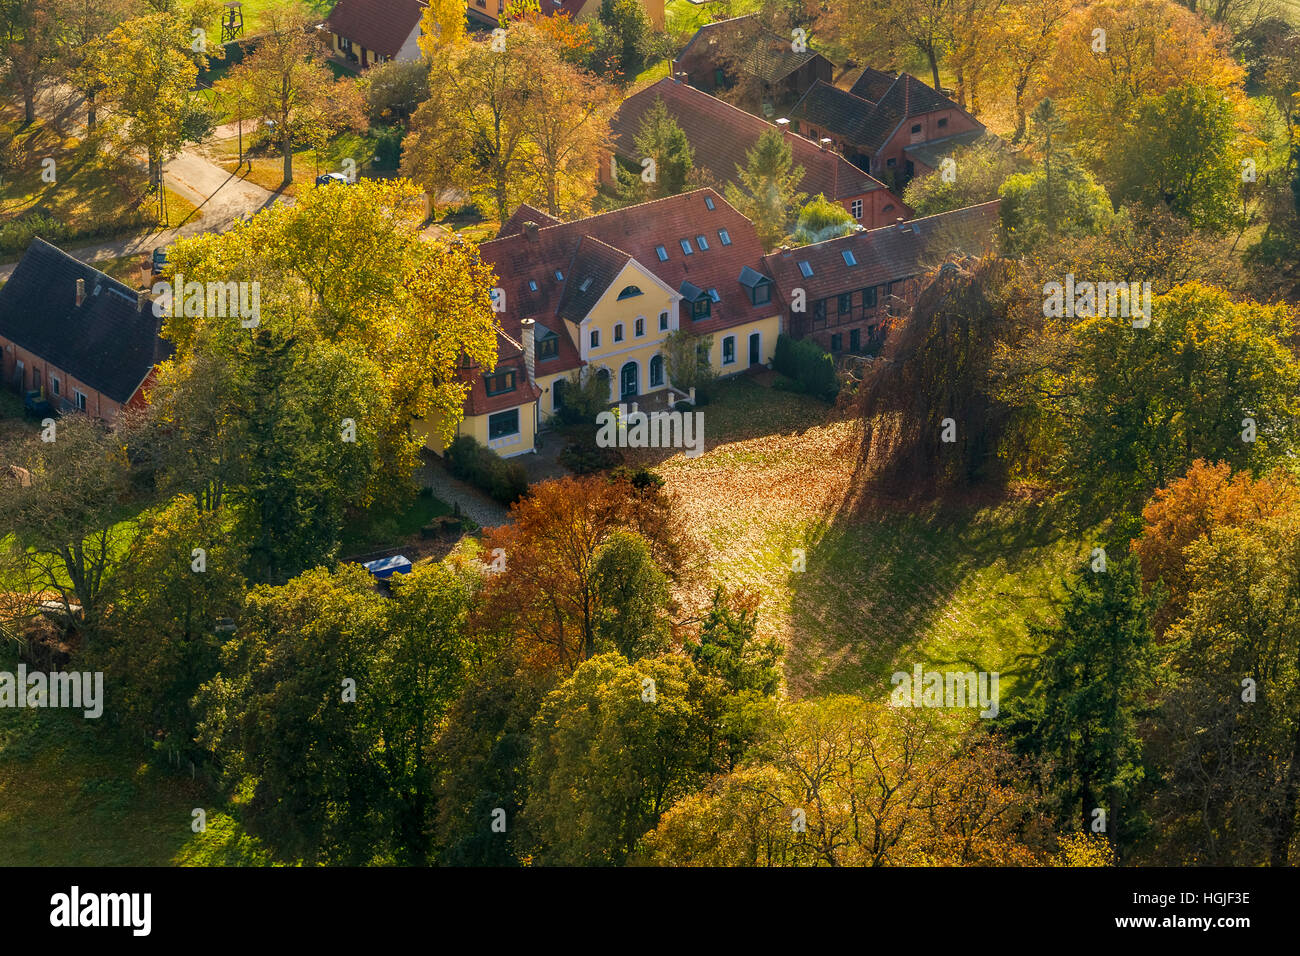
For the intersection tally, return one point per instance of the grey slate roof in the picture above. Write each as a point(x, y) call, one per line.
point(107, 342)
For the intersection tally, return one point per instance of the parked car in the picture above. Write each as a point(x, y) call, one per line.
point(159, 260)
point(37, 406)
point(326, 178)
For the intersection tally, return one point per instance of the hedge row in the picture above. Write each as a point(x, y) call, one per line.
point(805, 361)
point(506, 481)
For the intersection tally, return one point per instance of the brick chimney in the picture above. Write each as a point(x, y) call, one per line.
point(783, 125)
point(81, 292)
point(141, 297)
point(530, 347)
point(824, 143)
point(530, 230)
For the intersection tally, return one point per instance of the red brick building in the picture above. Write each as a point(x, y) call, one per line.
point(721, 134)
point(842, 292)
point(765, 70)
point(81, 338)
point(895, 127)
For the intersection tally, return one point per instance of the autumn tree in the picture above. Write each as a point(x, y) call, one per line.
point(615, 746)
point(1206, 501)
point(87, 24)
point(842, 781)
point(150, 70)
point(361, 327)
point(1144, 48)
point(30, 35)
point(285, 80)
point(69, 524)
point(567, 124)
point(767, 192)
point(559, 593)
point(1024, 40)
point(1227, 745)
point(442, 24)
point(883, 30)
point(474, 131)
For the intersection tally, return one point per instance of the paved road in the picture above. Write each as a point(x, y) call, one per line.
point(220, 197)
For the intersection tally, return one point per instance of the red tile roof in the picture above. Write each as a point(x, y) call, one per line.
point(510, 356)
point(888, 254)
point(525, 213)
point(865, 121)
point(721, 135)
point(378, 25)
point(596, 249)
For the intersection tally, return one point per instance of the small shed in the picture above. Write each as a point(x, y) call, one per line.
point(385, 568)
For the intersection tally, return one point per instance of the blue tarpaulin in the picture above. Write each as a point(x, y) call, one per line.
point(387, 567)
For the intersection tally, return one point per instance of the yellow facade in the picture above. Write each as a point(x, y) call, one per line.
point(635, 301)
point(478, 426)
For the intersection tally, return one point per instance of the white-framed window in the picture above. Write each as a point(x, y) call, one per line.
point(638, 328)
point(729, 350)
point(80, 397)
point(663, 321)
point(856, 208)
point(618, 331)
point(595, 338)
point(54, 384)
point(503, 424)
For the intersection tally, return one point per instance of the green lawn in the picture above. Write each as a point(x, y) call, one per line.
point(91, 191)
point(71, 795)
point(388, 524)
point(884, 587)
point(255, 12)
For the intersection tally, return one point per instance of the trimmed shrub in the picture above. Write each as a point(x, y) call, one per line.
point(506, 481)
point(804, 361)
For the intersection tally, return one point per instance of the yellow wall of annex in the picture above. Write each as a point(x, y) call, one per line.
point(476, 426)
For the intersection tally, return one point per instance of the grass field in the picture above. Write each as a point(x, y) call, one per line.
point(72, 796)
point(255, 14)
point(266, 169)
point(92, 192)
point(882, 590)
point(388, 524)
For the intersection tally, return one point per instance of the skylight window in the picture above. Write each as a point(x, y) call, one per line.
point(662, 253)
point(708, 201)
point(586, 284)
point(805, 267)
point(686, 246)
point(559, 276)
point(532, 285)
point(702, 243)
point(849, 259)
point(724, 236)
